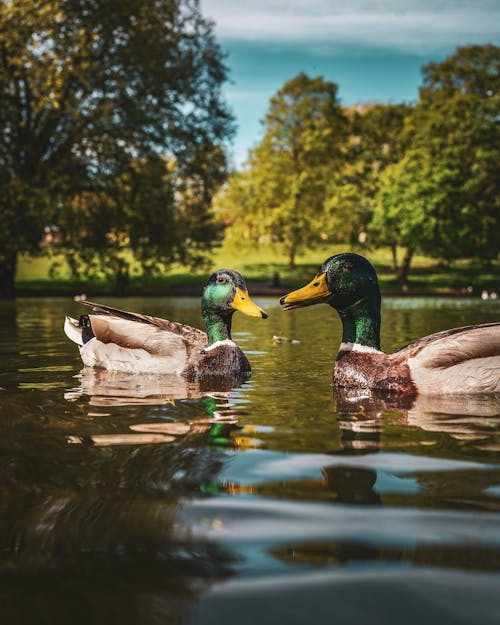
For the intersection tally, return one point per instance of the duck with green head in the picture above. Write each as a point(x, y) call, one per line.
point(461, 360)
point(118, 340)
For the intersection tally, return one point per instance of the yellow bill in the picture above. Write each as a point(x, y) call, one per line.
point(244, 304)
point(315, 292)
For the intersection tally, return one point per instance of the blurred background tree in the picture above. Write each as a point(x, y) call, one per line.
point(114, 129)
point(422, 177)
point(112, 123)
point(280, 196)
point(443, 197)
point(376, 140)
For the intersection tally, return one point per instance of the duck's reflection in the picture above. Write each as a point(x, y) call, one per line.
point(463, 417)
point(472, 417)
point(117, 388)
point(353, 485)
point(111, 389)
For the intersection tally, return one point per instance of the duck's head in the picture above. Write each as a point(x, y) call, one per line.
point(342, 281)
point(225, 293)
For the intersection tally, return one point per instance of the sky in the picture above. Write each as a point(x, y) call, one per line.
point(373, 50)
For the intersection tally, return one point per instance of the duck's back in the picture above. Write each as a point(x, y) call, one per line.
point(127, 341)
point(124, 345)
point(461, 360)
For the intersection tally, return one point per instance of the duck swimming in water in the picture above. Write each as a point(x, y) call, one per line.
point(461, 360)
point(118, 340)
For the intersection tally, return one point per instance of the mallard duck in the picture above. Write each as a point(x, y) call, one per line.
point(118, 340)
point(461, 360)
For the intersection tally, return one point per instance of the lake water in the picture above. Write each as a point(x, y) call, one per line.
point(277, 502)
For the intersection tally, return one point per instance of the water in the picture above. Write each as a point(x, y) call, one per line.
point(277, 502)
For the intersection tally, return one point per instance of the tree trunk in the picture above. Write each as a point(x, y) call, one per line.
point(404, 269)
point(394, 262)
point(8, 263)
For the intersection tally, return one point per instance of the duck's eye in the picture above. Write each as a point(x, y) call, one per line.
point(221, 280)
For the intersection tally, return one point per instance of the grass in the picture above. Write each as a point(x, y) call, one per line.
point(259, 263)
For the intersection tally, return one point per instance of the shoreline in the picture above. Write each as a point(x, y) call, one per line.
point(255, 288)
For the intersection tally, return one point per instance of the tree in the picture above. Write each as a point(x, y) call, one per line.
point(172, 225)
point(282, 192)
point(376, 140)
point(91, 89)
point(442, 198)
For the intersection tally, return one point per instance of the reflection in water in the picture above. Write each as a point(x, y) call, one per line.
point(354, 485)
point(263, 503)
point(467, 417)
point(472, 417)
point(59, 551)
point(117, 388)
point(338, 553)
point(108, 519)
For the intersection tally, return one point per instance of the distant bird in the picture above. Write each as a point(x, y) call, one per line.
point(118, 340)
point(461, 360)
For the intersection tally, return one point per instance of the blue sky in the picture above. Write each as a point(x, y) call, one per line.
point(373, 50)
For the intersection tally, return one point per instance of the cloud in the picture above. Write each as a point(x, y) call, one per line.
point(404, 25)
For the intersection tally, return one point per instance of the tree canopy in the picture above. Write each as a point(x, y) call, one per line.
point(315, 173)
point(281, 194)
point(91, 93)
point(442, 197)
point(375, 141)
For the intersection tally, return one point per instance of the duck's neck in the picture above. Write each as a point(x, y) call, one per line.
point(218, 327)
point(361, 323)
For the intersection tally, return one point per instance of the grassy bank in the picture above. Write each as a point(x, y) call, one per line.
point(259, 263)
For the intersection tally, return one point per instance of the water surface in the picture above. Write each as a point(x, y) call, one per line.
point(277, 502)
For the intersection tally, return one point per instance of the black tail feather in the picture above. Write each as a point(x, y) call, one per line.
point(86, 326)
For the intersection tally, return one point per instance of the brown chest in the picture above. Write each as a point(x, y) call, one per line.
point(223, 361)
point(373, 371)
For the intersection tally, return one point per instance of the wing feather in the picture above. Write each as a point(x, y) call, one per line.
point(451, 347)
point(193, 338)
point(463, 360)
point(133, 335)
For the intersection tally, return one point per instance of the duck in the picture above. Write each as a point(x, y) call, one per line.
point(463, 360)
point(119, 340)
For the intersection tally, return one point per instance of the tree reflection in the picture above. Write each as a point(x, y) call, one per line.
point(336, 553)
point(92, 534)
point(353, 485)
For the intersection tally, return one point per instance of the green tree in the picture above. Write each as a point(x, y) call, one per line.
point(89, 89)
point(442, 198)
point(153, 209)
point(376, 140)
point(281, 194)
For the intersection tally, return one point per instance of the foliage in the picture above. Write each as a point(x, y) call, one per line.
point(375, 141)
point(150, 209)
point(280, 196)
point(92, 91)
point(442, 198)
point(258, 263)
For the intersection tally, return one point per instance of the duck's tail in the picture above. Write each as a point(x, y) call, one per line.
point(80, 332)
point(73, 330)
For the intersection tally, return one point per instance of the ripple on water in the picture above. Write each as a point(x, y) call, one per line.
point(291, 500)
